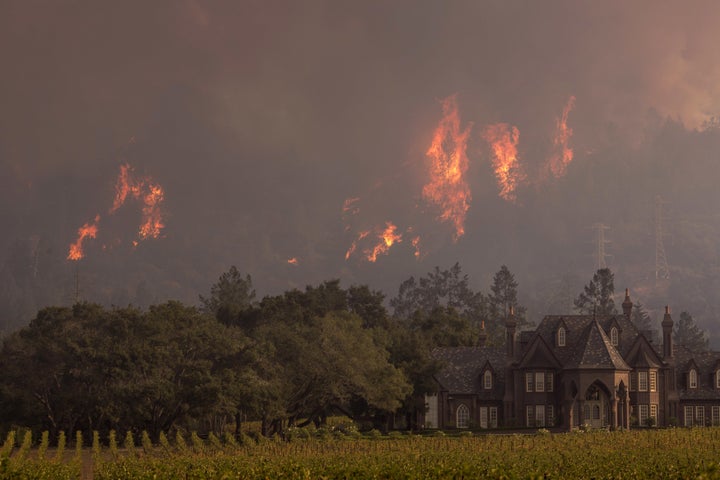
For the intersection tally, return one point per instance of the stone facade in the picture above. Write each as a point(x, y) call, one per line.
point(575, 370)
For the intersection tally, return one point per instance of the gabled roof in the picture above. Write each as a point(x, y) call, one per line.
point(706, 364)
point(594, 351)
point(642, 355)
point(462, 366)
point(539, 355)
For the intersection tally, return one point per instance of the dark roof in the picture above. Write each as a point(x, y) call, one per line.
point(462, 367)
point(594, 351)
point(707, 363)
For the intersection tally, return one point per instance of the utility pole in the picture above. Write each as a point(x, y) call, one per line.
point(661, 265)
point(600, 243)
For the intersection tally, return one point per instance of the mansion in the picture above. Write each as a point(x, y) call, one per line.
point(575, 370)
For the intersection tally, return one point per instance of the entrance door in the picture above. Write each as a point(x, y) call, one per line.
point(594, 408)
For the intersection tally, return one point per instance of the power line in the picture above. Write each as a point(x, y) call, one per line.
point(600, 253)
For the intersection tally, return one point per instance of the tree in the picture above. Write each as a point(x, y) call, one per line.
point(503, 296)
point(642, 321)
point(597, 296)
point(687, 333)
point(232, 295)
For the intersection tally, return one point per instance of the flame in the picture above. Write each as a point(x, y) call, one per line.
point(559, 161)
point(503, 140)
point(89, 230)
point(349, 206)
point(387, 237)
point(152, 216)
point(447, 187)
point(354, 244)
point(293, 261)
point(150, 193)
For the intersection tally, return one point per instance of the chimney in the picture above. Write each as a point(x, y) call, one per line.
point(627, 304)
point(667, 326)
point(510, 333)
point(482, 338)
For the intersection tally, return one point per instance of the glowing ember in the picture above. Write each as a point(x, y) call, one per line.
point(152, 216)
point(447, 187)
point(89, 230)
point(293, 261)
point(503, 140)
point(416, 245)
point(387, 237)
point(350, 207)
point(563, 155)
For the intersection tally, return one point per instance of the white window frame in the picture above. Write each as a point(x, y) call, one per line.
point(633, 381)
point(550, 382)
point(642, 414)
point(483, 417)
point(539, 415)
point(487, 380)
point(614, 337)
point(653, 381)
point(551, 415)
point(462, 416)
point(654, 412)
point(642, 381)
point(717, 379)
point(561, 337)
point(700, 415)
point(493, 417)
point(692, 378)
point(688, 416)
point(539, 381)
point(716, 415)
point(529, 382)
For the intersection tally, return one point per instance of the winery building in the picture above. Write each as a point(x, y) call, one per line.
point(576, 370)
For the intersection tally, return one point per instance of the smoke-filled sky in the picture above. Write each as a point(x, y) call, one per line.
point(260, 119)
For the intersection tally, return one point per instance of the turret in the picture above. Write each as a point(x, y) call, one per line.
point(482, 338)
point(510, 332)
point(667, 327)
point(627, 304)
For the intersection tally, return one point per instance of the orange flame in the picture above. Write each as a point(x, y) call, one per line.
point(349, 206)
point(293, 261)
point(416, 245)
point(503, 140)
point(150, 193)
point(447, 187)
point(354, 245)
point(559, 161)
point(89, 230)
point(387, 238)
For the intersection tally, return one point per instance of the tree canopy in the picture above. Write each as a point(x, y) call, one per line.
point(597, 296)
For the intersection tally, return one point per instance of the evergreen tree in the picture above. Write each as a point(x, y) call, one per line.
point(597, 296)
point(503, 296)
point(687, 333)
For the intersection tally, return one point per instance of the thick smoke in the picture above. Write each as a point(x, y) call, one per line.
point(260, 119)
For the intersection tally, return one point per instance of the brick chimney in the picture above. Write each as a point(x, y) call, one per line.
point(627, 304)
point(667, 326)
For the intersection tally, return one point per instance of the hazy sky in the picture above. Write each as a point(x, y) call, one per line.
point(260, 118)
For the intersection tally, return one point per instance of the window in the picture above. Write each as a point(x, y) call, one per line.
point(688, 420)
point(540, 381)
point(692, 378)
point(530, 415)
point(529, 379)
point(462, 416)
point(487, 380)
point(717, 379)
point(614, 336)
point(653, 381)
point(642, 381)
point(642, 414)
point(550, 382)
point(716, 415)
point(539, 415)
point(493, 417)
point(632, 381)
point(700, 416)
point(561, 337)
point(551, 415)
point(653, 412)
point(483, 417)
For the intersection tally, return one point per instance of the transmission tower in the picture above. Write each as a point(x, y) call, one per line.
point(661, 265)
point(600, 243)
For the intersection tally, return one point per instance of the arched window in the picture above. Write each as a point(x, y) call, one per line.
point(692, 378)
point(463, 416)
point(487, 380)
point(614, 336)
point(561, 337)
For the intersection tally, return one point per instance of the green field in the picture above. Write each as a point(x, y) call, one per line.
point(642, 454)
